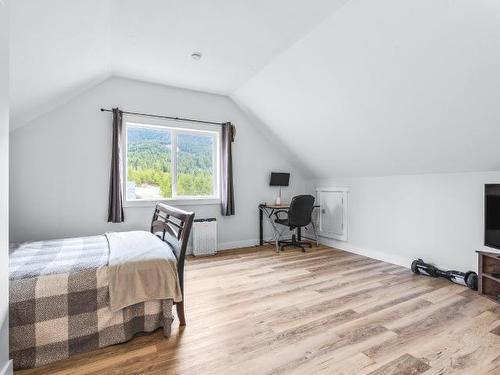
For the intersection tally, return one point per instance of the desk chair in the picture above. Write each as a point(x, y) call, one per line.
point(299, 215)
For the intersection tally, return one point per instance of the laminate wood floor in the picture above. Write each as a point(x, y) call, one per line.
point(253, 311)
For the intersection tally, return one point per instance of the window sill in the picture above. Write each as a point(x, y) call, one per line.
point(174, 202)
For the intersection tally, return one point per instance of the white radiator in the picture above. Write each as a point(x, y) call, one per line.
point(204, 237)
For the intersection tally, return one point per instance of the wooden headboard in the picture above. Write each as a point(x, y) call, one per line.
point(174, 227)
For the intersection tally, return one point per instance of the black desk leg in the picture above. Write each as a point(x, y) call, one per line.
point(299, 234)
point(261, 229)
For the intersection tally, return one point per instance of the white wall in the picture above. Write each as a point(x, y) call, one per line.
point(60, 164)
point(4, 190)
point(436, 217)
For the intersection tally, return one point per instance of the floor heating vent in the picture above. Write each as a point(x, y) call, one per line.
point(204, 237)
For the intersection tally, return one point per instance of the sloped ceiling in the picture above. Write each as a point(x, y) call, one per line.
point(61, 47)
point(57, 49)
point(352, 87)
point(153, 40)
point(389, 87)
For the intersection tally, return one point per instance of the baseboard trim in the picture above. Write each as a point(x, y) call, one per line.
point(7, 368)
point(224, 246)
point(345, 246)
point(238, 244)
point(374, 254)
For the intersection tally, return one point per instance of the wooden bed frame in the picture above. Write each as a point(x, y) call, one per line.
point(174, 227)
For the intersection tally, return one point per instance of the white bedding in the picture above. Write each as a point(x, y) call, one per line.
point(141, 268)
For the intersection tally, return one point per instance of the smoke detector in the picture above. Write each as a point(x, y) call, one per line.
point(196, 55)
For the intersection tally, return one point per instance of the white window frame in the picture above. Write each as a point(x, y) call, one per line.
point(176, 128)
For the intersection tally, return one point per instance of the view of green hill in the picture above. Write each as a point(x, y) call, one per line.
point(149, 156)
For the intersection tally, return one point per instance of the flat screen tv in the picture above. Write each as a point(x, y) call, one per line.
point(492, 215)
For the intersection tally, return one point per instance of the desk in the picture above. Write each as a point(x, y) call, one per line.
point(269, 210)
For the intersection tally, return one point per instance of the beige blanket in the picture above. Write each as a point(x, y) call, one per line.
point(141, 268)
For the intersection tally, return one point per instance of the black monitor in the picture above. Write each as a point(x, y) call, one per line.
point(279, 179)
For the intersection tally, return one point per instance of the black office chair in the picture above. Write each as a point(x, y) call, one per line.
point(299, 216)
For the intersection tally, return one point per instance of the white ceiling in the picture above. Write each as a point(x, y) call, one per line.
point(57, 49)
point(153, 40)
point(352, 87)
point(61, 47)
point(389, 87)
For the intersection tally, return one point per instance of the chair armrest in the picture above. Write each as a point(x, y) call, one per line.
point(276, 213)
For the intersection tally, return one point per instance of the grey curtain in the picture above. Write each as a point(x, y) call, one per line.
point(227, 191)
point(115, 207)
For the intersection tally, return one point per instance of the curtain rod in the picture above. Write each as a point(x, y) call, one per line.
point(166, 117)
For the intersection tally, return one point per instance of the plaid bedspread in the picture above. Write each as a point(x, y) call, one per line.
point(59, 302)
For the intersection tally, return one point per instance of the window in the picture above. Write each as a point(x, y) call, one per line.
point(165, 160)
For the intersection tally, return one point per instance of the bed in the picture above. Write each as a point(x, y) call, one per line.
point(60, 302)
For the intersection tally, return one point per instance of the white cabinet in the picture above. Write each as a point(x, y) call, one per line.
point(333, 212)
